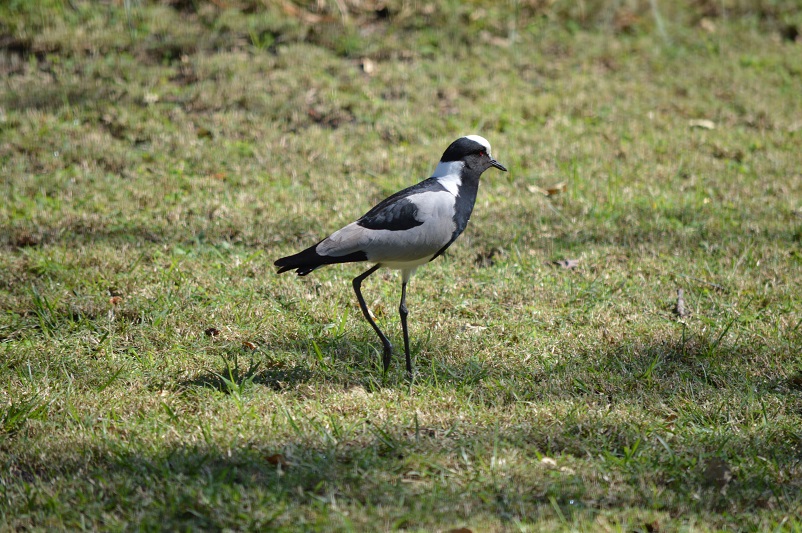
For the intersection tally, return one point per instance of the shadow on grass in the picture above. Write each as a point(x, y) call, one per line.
point(78, 231)
point(55, 96)
point(338, 360)
point(275, 378)
point(711, 242)
point(99, 233)
point(412, 476)
point(634, 427)
point(616, 373)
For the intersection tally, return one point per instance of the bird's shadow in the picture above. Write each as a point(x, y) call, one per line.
point(340, 360)
point(353, 359)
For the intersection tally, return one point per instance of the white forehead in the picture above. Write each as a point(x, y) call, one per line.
point(480, 140)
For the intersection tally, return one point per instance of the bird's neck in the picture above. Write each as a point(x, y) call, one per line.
point(448, 168)
point(468, 187)
point(463, 184)
point(458, 179)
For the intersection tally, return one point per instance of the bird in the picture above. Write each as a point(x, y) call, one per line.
point(405, 230)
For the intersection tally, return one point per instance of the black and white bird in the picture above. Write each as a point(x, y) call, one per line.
point(406, 230)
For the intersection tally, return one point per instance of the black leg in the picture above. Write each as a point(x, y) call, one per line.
point(402, 310)
point(388, 348)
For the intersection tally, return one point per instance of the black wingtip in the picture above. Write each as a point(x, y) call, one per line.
point(308, 260)
point(285, 265)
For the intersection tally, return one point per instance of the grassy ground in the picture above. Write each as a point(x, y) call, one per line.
point(156, 374)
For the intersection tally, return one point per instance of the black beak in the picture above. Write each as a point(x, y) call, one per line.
point(498, 165)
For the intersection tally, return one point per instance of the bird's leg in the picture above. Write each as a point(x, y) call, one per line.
point(388, 348)
point(402, 310)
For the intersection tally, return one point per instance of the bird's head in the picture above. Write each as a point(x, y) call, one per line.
point(473, 151)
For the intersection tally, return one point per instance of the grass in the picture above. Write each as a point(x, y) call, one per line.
point(156, 159)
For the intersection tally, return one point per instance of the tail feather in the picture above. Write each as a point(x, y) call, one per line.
point(308, 260)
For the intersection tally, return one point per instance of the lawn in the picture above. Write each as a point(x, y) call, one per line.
point(157, 157)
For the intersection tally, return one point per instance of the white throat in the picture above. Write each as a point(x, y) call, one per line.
point(448, 174)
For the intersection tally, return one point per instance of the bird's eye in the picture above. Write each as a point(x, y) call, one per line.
point(482, 153)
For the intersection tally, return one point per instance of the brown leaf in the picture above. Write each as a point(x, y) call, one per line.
point(114, 300)
point(557, 188)
point(211, 332)
point(278, 460)
point(460, 530)
point(248, 345)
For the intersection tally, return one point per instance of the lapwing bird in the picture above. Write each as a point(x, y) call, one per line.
point(406, 230)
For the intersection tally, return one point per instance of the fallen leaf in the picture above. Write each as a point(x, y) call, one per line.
point(114, 300)
point(702, 123)
point(460, 530)
point(708, 25)
point(248, 345)
point(211, 332)
point(548, 461)
point(278, 460)
point(296, 12)
point(368, 66)
point(357, 392)
point(556, 189)
point(535, 188)
point(411, 476)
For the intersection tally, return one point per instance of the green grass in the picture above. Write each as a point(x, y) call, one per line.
point(157, 374)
